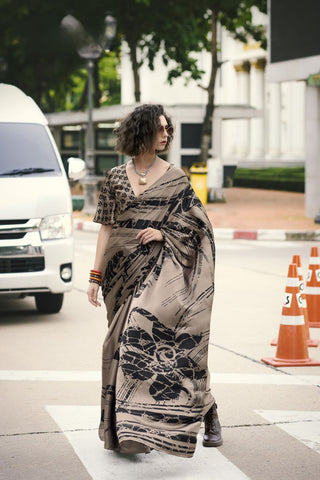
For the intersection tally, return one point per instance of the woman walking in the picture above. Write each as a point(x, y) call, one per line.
point(155, 264)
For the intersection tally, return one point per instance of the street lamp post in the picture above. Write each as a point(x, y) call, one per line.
point(90, 51)
point(90, 54)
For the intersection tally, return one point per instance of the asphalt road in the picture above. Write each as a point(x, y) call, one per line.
point(50, 382)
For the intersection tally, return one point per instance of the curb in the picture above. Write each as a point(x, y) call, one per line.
point(232, 233)
point(267, 235)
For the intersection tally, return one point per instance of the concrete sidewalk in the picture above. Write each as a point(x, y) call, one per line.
point(250, 214)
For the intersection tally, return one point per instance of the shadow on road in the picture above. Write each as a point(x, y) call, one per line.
point(21, 311)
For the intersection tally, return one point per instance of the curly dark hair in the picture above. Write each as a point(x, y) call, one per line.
point(137, 131)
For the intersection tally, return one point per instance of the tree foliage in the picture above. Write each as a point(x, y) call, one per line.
point(42, 63)
point(179, 30)
point(38, 59)
point(236, 17)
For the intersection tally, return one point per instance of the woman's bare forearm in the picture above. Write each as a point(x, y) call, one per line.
point(102, 242)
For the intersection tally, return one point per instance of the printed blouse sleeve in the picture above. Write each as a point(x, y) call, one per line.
point(105, 212)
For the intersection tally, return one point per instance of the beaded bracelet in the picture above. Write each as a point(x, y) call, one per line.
point(95, 276)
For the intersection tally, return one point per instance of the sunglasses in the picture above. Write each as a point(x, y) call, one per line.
point(168, 128)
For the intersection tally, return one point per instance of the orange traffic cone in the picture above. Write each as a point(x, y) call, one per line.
point(313, 289)
point(292, 347)
point(310, 343)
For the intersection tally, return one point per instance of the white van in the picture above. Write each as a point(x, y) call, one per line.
point(36, 243)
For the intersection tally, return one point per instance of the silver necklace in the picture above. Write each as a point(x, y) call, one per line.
point(143, 175)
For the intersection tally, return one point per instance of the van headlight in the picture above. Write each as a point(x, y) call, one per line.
point(56, 226)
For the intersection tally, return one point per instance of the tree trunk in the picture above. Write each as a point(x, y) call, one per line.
point(84, 96)
point(97, 91)
point(135, 69)
point(207, 122)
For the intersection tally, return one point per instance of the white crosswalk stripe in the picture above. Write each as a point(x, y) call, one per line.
point(79, 424)
point(102, 464)
point(304, 426)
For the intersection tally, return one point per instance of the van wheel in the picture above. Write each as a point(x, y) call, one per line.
point(49, 302)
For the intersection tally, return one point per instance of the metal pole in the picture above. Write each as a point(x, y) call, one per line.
point(90, 190)
point(89, 143)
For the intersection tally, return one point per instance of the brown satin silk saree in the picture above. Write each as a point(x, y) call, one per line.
point(155, 381)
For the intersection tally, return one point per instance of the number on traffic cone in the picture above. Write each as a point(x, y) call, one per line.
point(313, 288)
point(292, 341)
point(310, 343)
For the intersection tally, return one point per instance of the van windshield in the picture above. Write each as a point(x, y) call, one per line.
point(26, 149)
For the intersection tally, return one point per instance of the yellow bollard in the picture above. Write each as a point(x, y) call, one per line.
point(198, 179)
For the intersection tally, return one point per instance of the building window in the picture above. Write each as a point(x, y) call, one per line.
point(70, 140)
point(191, 135)
point(105, 162)
point(105, 139)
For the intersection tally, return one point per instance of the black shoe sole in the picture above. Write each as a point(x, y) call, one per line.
point(212, 444)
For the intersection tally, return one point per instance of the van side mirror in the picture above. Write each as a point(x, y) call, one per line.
point(76, 168)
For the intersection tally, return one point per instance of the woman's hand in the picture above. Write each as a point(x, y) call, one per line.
point(93, 294)
point(149, 235)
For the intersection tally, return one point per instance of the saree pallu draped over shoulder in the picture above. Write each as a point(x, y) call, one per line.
point(155, 381)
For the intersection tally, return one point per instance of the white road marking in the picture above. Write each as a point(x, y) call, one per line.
point(262, 379)
point(102, 464)
point(217, 378)
point(304, 426)
point(50, 375)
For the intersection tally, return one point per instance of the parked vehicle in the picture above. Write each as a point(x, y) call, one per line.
point(36, 242)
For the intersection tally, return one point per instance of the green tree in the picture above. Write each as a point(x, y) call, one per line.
point(172, 27)
point(49, 69)
point(36, 60)
point(178, 31)
point(132, 24)
point(106, 93)
point(41, 62)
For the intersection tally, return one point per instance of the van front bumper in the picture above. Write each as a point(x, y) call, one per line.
point(35, 267)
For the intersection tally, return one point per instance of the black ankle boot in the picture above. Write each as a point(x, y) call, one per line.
point(212, 429)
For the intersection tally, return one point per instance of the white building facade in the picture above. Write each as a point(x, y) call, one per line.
point(293, 68)
point(271, 132)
